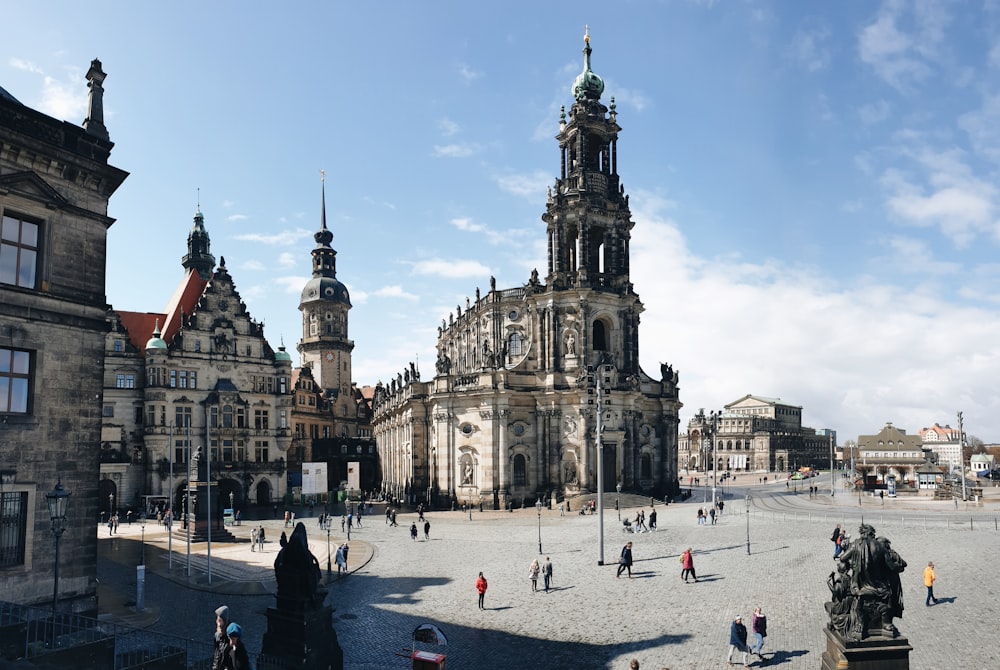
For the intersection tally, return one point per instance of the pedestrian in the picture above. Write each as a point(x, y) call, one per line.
point(929, 578)
point(722, 505)
point(253, 539)
point(413, 531)
point(420, 512)
point(562, 509)
point(427, 531)
point(533, 571)
point(236, 654)
point(625, 560)
point(347, 550)
point(758, 626)
point(652, 519)
point(388, 513)
point(350, 520)
point(547, 573)
point(340, 560)
point(738, 640)
point(260, 538)
point(221, 640)
point(711, 514)
point(288, 517)
point(634, 664)
point(394, 519)
point(701, 516)
point(481, 587)
point(687, 566)
point(835, 538)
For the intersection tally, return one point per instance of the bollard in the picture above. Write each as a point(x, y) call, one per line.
point(140, 588)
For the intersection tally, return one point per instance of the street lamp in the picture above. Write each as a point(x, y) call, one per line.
point(111, 505)
point(618, 502)
point(142, 540)
point(57, 499)
point(714, 431)
point(749, 501)
point(329, 566)
point(538, 506)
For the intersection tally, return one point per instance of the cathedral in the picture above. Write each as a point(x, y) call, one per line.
point(537, 391)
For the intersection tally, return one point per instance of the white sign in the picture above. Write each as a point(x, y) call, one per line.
point(314, 478)
point(354, 475)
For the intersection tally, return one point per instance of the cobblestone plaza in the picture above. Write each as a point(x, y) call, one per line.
point(591, 619)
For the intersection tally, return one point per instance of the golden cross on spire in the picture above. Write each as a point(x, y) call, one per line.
point(586, 34)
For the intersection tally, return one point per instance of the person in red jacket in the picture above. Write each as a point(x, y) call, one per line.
point(481, 586)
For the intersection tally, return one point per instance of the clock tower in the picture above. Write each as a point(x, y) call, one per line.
point(324, 304)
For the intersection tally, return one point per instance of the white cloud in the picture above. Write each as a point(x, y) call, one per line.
point(903, 59)
point(468, 74)
point(63, 101)
point(448, 127)
point(237, 217)
point(395, 291)
point(283, 239)
point(809, 50)
point(25, 66)
point(291, 284)
point(287, 259)
point(252, 266)
point(450, 269)
point(493, 236)
point(455, 150)
point(228, 204)
point(531, 185)
point(983, 127)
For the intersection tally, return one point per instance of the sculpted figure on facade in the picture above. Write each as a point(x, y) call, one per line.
point(570, 343)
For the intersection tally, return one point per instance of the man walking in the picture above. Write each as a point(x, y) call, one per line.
point(652, 519)
point(547, 573)
point(625, 561)
point(929, 578)
point(738, 641)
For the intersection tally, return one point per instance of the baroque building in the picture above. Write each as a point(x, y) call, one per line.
point(200, 374)
point(55, 183)
point(753, 434)
point(521, 373)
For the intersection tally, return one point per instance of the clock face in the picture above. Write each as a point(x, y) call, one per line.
point(329, 357)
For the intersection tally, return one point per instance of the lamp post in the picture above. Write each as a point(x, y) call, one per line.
point(57, 500)
point(713, 431)
point(749, 501)
point(142, 539)
point(111, 505)
point(618, 501)
point(329, 566)
point(538, 506)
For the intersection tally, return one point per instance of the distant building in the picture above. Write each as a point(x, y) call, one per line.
point(943, 445)
point(512, 410)
point(889, 453)
point(754, 434)
point(198, 374)
point(55, 182)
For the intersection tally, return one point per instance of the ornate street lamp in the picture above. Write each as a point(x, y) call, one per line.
point(749, 501)
point(111, 505)
point(538, 506)
point(57, 499)
point(329, 566)
point(618, 501)
point(142, 540)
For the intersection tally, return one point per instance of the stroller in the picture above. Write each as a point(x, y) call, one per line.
point(627, 526)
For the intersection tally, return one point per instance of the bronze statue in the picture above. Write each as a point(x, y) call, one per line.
point(297, 571)
point(866, 590)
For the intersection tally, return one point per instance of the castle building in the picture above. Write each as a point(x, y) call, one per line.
point(55, 183)
point(512, 411)
point(753, 434)
point(331, 416)
point(200, 374)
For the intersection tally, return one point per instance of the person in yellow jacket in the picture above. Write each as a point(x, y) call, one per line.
point(929, 578)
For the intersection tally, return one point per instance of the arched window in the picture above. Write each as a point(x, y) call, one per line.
point(600, 337)
point(646, 467)
point(227, 416)
point(520, 470)
point(515, 345)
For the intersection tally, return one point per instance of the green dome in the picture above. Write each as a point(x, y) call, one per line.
point(282, 356)
point(587, 85)
point(156, 342)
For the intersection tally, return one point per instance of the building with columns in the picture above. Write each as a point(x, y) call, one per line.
point(198, 374)
point(753, 434)
point(525, 375)
point(55, 184)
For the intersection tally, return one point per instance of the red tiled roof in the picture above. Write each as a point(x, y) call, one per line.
point(140, 326)
point(184, 300)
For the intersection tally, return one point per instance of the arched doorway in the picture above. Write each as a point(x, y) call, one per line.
point(263, 492)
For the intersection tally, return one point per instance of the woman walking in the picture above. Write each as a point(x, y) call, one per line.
point(625, 561)
point(481, 587)
point(533, 570)
point(758, 626)
point(687, 565)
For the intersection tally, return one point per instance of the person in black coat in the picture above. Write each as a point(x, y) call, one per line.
point(738, 640)
point(625, 562)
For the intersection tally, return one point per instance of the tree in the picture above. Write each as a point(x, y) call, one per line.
point(973, 445)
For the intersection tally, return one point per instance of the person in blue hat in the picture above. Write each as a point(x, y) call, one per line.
point(236, 657)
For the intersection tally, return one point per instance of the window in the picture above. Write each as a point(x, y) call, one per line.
point(241, 417)
point(173, 379)
point(15, 380)
point(151, 415)
point(119, 346)
point(197, 345)
point(260, 419)
point(108, 411)
point(181, 450)
point(520, 471)
point(18, 251)
point(13, 532)
point(182, 416)
point(183, 379)
point(283, 419)
point(515, 346)
point(193, 379)
point(241, 451)
point(260, 451)
point(283, 385)
point(227, 416)
point(227, 451)
point(124, 380)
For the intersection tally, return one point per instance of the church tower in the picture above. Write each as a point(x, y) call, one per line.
point(198, 256)
point(324, 304)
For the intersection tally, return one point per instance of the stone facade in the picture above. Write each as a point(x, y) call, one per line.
point(200, 373)
point(753, 434)
point(512, 410)
point(55, 182)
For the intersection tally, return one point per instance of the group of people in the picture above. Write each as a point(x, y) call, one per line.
point(230, 652)
point(257, 538)
point(738, 636)
point(713, 513)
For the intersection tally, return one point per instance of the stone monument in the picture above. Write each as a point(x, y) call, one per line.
point(300, 628)
point(866, 595)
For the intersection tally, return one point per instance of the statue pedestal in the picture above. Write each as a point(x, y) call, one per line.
point(871, 653)
point(300, 636)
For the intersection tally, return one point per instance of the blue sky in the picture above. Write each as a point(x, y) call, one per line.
point(813, 184)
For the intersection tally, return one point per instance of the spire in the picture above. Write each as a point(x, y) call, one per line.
point(587, 85)
point(324, 257)
point(199, 256)
point(94, 123)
